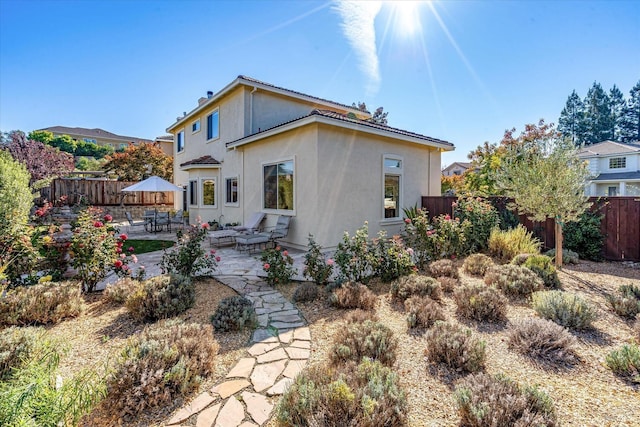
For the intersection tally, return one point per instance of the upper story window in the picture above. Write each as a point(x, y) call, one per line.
point(89, 140)
point(277, 185)
point(213, 125)
point(195, 126)
point(180, 141)
point(617, 163)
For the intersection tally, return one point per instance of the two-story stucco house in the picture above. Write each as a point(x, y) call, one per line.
point(255, 147)
point(456, 168)
point(614, 167)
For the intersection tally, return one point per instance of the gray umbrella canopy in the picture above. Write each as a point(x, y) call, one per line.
point(153, 183)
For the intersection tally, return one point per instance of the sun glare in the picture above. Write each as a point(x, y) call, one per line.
point(406, 16)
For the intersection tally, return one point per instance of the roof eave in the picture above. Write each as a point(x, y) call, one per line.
point(196, 166)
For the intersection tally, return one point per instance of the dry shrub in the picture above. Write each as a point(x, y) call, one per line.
point(423, 312)
point(495, 401)
point(627, 303)
point(444, 268)
point(544, 341)
point(636, 329)
point(564, 308)
point(505, 245)
point(364, 339)
point(350, 395)
point(513, 280)
point(16, 346)
point(455, 347)
point(353, 295)
point(233, 314)
point(417, 285)
point(165, 361)
point(305, 292)
point(448, 284)
point(41, 304)
point(477, 264)
point(480, 303)
point(360, 316)
point(625, 362)
point(162, 297)
point(120, 291)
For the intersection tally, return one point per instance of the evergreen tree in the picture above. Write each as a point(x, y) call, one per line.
point(571, 119)
point(631, 121)
point(617, 104)
point(597, 115)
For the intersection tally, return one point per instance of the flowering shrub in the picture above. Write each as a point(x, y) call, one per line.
point(188, 258)
point(126, 256)
point(355, 257)
point(392, 259)
point(444, 237)
point(93, 247)
point(482, 216)
point(415, 236)
point(278, 265)
point(315, 266)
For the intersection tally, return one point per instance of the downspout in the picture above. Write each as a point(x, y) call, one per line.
point(251, 110)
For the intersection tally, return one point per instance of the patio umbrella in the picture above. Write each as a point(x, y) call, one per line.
point(153, 184)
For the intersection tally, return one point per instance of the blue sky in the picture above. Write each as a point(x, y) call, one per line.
point(463, 71)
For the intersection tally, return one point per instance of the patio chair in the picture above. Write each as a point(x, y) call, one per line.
point(162, 219)
point(178, 218)
point(251, 241)
point(252, 225)
point(133, 223)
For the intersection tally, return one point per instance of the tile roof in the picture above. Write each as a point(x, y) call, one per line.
point(204, 160)
point(617, 176)
point(93, 133)
point(608, 147)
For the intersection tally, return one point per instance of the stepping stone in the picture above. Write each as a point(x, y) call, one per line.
point(288, 306)
point(262, 293)
point(262, 347)
point(263, 335)
point(231, 414)
point(228, 388)
point(272, 306)
point(302, 334)
point(243, 368)
point(282, 325)
point(285, 318)
point(264, 376)
point(298, 353)
point(207, 417)
point(198, 404)
point(260, 311)
point(280, 387)
point(276, 354)
point(257, 406)
point(301, 344)
point(294, 367)
point(274, 298)
point(263, 320)
point(286, 336)
point(285, 312)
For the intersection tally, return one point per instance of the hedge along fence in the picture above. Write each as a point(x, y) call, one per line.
point(620, 223)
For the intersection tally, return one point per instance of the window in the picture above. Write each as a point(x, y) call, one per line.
point(209, 192)
point(617, 163)
point(195, 126)
point(123, 146)
point(89, 140)
point(180, 141)
point(213, 125)
point(193, 193)
point(278, 185)
point(613, 191)
point(392, 192)
point(232, 190)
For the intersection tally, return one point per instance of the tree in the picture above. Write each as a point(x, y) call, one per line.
point(617, 104)
point(133, 163)
point(546, 179)
point(453, 184)
point(41, 161)
point(15, 196)
point(479, 179)
point(379, 116)
point(571, 119)
point(631, 121)
point(597, 116)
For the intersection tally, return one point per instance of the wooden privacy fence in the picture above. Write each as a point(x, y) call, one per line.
point(620, 223)
point(102, 193)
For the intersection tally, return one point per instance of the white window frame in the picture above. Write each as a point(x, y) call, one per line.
point(237, 202)
point(392, 171)
point(213, 138)
point(201, 182)
point(290, 212)
point(614, 163)
point(191, 201)
point(195, 123)
point(178, 150)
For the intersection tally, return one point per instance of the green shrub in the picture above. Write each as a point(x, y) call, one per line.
point(513, 280)
point(444, 268)
point(353, 295)
point(584, 236)
point(16, 346)
point(234, 313)
point(448, 284)
point(483, 218)
point(364, 339)
point(636, 329)
point(423, 312)
point(477, 264)
point(480, 303)
point(162, 297)
point(278, 265)
point(305, 292)
point(631, 291)
point(355, 257)
point(392, 259)
point(625, 305)
point(41, 304)
point(166, 361)
point(568, 256)
point(487, 401)
point(16, 197)
point(351, 395)
point(505, 245)
point(418, 285)
point(188, 257)
point(625, 362)
point(315, 266)
point(415, 234)
point(564, 308)
point(455, 347)
point(543, 341)
point(120, 291)
point(542, 265)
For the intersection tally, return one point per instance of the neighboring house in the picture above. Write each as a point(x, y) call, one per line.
point(614, 167)
point(103, 137)
point(456, 168)
point(255, 147)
